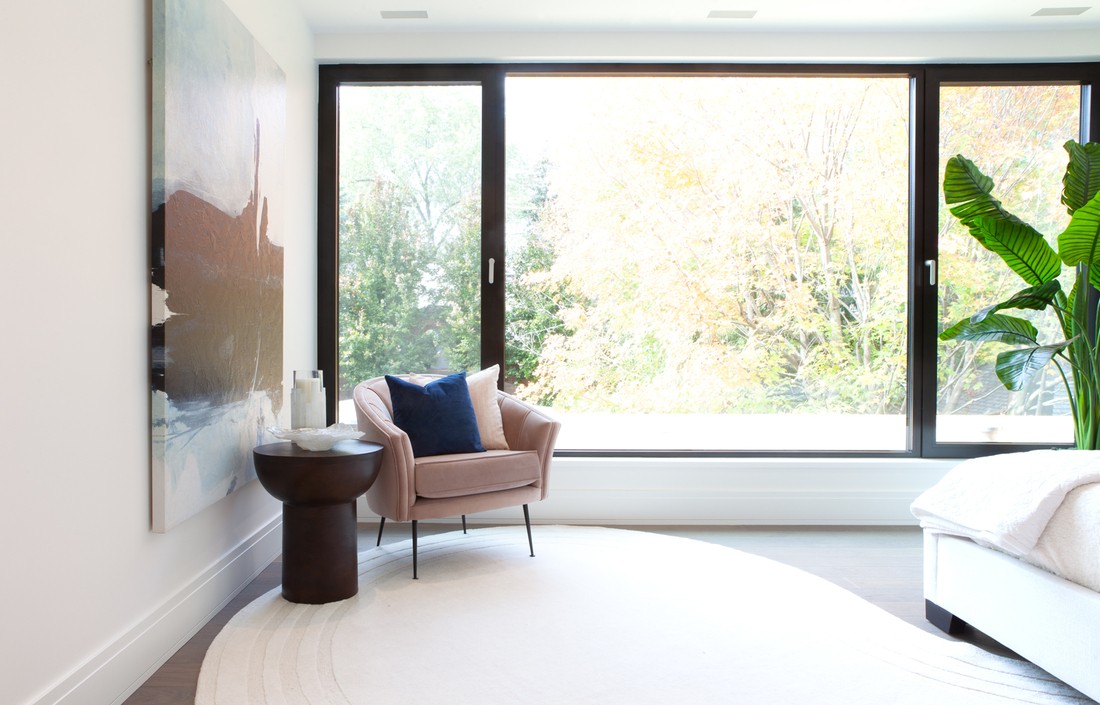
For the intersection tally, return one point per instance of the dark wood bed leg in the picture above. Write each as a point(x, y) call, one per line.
point(942, 619)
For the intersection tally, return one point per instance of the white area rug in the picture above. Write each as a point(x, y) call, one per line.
point(599, 616)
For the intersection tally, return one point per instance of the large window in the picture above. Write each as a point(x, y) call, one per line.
point(688, 259)
point(710, 262)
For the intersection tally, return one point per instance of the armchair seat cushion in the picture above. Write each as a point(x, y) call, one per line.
point(461, 474)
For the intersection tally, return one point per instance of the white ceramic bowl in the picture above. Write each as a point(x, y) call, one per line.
point(317, 438)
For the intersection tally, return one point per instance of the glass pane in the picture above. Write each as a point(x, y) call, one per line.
point(710, 263)
point(410, 232)
point(1014, 134)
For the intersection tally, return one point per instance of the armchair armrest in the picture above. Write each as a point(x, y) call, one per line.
point(528, 428)
point(392, 492)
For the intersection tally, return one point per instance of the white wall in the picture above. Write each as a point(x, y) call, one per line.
point(727, 491)
point(90, 599)
point(898, 47)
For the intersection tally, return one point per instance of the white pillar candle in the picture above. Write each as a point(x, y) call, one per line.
point(307, 400)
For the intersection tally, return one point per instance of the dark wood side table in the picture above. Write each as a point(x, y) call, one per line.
point(318, 490)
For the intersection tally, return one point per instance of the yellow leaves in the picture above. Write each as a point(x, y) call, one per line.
point(709, 230)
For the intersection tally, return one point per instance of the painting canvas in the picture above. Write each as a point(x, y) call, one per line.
point(218, 112)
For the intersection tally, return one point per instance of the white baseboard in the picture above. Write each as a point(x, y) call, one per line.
point(728, 491)
point(109, 676)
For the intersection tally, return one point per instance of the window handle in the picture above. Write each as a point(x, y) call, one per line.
point(931, 264)
point(492, 269)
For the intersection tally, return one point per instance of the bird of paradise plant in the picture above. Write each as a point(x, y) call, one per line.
point(1028, 253)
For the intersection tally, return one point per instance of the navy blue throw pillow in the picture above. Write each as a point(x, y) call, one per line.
point(438, 417)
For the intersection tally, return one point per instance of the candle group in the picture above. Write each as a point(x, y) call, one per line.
point(307, 400)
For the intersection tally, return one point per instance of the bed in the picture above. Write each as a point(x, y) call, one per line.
point(1012, 548)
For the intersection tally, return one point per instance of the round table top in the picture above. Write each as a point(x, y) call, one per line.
point(310, 477)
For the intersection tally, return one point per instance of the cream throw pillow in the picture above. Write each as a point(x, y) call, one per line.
point(483, 394)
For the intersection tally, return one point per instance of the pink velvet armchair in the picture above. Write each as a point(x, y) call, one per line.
point(513, 470)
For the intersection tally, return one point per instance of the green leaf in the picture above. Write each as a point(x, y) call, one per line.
point(1016, 367)
point(1034, 298)
point(969, 189)
point(993, 328)
point(963, 181)
point(1023, 248)
point(1079, 243)
point(1082, 180)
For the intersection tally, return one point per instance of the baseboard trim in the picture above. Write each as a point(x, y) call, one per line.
point(116, 671)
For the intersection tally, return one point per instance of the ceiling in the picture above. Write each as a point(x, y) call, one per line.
point(365, 16)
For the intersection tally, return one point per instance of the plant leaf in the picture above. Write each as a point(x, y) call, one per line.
point(1035, 298)
point(1023, 248)
point(963, 181)
point(969, 189)
point(1082, 180)
point(1016, 367)
point(1079, 243)
point(995, 327)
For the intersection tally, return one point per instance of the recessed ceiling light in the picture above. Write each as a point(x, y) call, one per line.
point(1059, 11)
point(404, 14)
point(731, 14)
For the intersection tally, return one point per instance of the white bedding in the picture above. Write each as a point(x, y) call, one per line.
point(1070, 545)
point(1040, 506)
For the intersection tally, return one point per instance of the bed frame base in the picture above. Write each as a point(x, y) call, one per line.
point(942, 619)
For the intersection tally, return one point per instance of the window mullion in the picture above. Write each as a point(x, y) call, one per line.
point(492, 221)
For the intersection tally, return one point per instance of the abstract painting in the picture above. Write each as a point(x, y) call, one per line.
point(218, 123)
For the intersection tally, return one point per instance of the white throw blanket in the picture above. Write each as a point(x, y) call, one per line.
point(1005, 500)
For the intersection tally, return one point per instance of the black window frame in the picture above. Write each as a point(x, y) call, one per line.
point(1088, 76)
point(925, 83)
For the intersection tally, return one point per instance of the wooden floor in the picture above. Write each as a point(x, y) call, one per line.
point(881, 565)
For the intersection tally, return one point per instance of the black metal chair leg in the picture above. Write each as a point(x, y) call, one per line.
point(463, 523)
point(414, 549)
point(527, 520)
point(381, 525)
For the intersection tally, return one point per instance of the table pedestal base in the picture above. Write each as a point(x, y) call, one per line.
point(320, 553)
